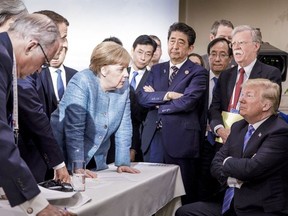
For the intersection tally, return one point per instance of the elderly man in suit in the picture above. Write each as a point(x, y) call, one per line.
point(37, 144)
point(20, 55)
point(252, 166)
point(246, 42)
point(175, 93)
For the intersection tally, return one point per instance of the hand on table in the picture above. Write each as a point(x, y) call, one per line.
point(62, 174)
point(127, 169)
point(90, 174)
point(54, 211)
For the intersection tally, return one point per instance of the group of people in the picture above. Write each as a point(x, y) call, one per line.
point(135, 108)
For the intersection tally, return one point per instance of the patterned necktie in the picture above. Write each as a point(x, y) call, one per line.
point(174, 73)
point(233, 103)
point(133, 81)
point(229, 194)
point(60, 85)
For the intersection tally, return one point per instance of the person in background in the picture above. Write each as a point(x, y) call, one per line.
point(157, 54)
point(196, 58)
point(220, 55)
point(252, 166)
point(113, 39)
point(87, 114)
point(37, 100)
point(142, 52)
point(175, 95)
point(9, 11)
point(220, 28)
point(246, 42)
point(21, 55)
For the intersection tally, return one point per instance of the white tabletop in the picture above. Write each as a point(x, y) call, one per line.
point(157, 187)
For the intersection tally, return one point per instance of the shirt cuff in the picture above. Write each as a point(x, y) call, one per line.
point(59, 166)
point(166, 97)
point(216, 128)
point(33, 206)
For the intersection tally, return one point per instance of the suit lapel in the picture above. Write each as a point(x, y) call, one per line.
point(182, 73)
point(164, 77)
point(254, 142)
point(143, 80)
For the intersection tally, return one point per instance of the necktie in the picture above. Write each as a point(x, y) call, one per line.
point(133, 81)
point(248, 134)
point(215, 79)
point(233, 103)
point(174, 73)
point(60, 85)
point(229, 194)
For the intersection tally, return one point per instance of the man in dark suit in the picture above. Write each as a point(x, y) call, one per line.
point(252, 166)
point(37, 144)
point(246, 42)
point(175, 94)
point(18, 46)
point(142, 52)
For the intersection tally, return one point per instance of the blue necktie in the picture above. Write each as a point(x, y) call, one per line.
point(60, 85)
point(210, 136)
point(248, 135)
point(174, 73)
point(133, 81)
point(215, 79)
point(229, 194)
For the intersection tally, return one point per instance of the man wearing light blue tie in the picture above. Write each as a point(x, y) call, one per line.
point(252, 165)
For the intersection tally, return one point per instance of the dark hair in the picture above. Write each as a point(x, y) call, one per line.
point(57, 18)
point(145, 40)
point(198, 56)
point(184, 28)
point(217, 23)
point(216, 40)
point(113, 39)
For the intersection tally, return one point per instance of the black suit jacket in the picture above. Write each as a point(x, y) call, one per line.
point(138, 113)
point(225, 86)
point(46, 91)
point(263, 167)
point(37, 144)
point(15, 177)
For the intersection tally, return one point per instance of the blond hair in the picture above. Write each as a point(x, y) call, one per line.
point(268, 90)
point(108, 53)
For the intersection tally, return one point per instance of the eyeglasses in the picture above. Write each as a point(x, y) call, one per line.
point(239, 43)
point(221, 55)
point(45, 64)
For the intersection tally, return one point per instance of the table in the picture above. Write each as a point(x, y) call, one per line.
point(157, 189)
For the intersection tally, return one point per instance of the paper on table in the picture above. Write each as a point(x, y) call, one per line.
point(69, 200)
point(228, 119)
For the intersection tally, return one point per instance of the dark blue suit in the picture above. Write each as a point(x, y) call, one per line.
point(37, 144)
point(183, 120)
point(15, 176)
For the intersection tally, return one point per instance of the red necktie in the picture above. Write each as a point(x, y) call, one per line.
point(233, 103)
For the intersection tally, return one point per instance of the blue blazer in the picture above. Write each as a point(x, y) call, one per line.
point(15, 177)
point(263, 166)
point(182, 119)
point(87, 117)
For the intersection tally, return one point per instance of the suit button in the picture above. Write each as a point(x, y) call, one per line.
point(29, 210)
point(105, 126)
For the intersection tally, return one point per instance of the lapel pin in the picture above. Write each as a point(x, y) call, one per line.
point(186, 72)
point(260, 134)
point(164, 70)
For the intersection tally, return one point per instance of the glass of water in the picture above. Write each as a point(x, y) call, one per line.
point(78, 175)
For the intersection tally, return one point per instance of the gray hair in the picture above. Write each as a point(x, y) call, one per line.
point(255, 33)
point(35, 27)
point(11, 8)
